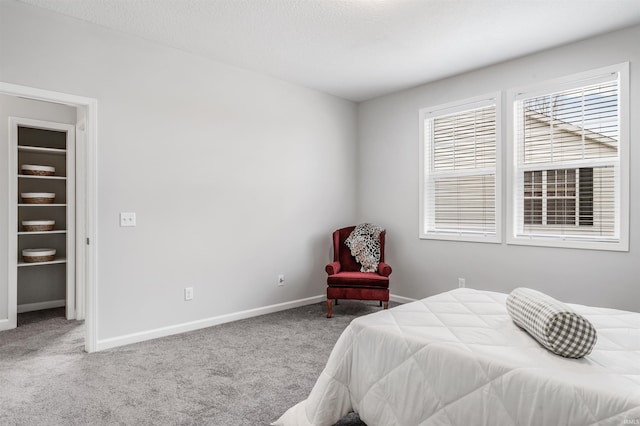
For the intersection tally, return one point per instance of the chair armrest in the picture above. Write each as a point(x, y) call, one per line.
point(384, 269)
point(333, 268)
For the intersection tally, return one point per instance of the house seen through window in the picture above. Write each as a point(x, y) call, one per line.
point(558, 197)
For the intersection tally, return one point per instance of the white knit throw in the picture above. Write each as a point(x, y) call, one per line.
point(364, 243)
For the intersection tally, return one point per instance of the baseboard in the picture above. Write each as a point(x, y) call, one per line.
point(400, 299)
point(203, 323)
point(4, 324)
point(49, 304)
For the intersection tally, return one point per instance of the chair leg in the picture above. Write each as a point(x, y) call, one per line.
point(381, 303)
point(336, 302)
point(329, 308)
point(386, 305)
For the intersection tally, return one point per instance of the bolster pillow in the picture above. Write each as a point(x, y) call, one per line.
point(552, 323)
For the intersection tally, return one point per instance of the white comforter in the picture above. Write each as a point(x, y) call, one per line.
point(458, 359)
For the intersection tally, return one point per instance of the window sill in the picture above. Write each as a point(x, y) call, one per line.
point(571, 243)
point(470, 238)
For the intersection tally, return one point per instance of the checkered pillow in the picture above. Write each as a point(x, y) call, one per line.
point(553, 324)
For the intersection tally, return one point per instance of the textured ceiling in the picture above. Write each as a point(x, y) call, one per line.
point(356, 49)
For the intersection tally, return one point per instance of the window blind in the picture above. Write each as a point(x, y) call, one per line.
point(460, 171)
point(567, 162)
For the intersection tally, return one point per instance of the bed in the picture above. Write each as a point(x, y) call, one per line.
point(457, 358)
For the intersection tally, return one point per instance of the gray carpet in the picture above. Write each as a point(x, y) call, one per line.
point(242, 373)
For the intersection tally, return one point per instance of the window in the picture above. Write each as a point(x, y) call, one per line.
point(460, 183)
point(569, 174)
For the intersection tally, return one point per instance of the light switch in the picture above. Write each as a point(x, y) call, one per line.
point(127, 219)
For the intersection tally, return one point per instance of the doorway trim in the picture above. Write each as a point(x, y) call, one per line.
point(86, 204)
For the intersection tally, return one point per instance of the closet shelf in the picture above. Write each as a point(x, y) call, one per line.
point(42, 177)
point(42, 205)
point(43, 150)
point(55, 231)
point(52, 262)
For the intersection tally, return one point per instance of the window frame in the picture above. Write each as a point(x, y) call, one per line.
point(495, 99)
point(621, 241)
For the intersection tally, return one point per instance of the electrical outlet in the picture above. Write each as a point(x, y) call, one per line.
point(188, 293)
point(127, 219)
point(280, 280)
point(461, 283)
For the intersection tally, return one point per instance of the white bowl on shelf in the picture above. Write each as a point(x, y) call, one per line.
point(32, 169)
point(38, 255)
point(38, 197)
point(38, 225)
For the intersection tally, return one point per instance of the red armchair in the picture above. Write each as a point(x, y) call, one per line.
point(345, 281)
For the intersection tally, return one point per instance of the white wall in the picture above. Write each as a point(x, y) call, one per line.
point(17, 107)
point(235, 177)
point(388, 189)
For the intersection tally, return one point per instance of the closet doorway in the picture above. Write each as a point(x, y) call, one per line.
point(52, 173)
point(42, 225)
